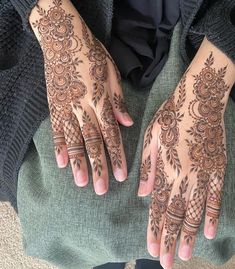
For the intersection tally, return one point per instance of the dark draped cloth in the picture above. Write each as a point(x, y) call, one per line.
point(141, 34)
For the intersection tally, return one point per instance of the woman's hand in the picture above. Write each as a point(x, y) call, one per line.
point(84, 94)
point(184, 156)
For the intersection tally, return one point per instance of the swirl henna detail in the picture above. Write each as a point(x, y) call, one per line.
point(111, 133)
point(206, 149)
point(64, 83)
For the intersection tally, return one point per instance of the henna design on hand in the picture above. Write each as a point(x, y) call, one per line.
point(206, 149)
point(111, 133)
point(169, 117)
point(74, 140)
point(93, 141)
point(119, 103)
point(160, 196)
point(175, 214)
point(145, 169)
point(64, 83)
point(97, 56)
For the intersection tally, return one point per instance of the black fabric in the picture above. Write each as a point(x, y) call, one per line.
point(147, 264)
point(140, 38)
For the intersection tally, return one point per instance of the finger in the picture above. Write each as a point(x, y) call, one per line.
point(193, 216)
point(116, 96)
point(158, 207)
point(149, 160)
point(75, 146)
point(112, 138)
point(61, 152)
point(95, 149)
point(213, 204)
point(173, 222)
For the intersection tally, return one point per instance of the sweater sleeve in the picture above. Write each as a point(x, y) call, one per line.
point(24, 8)
point(217, 23)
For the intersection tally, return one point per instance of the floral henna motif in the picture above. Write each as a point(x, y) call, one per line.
point(175, 215)
point(93, 142)
point(207, 149)
point(60, 45)
point(111, 133)
point(145, 169)
point(168, 118)
point(97, 56)
point(160, 196)
point(119, 103)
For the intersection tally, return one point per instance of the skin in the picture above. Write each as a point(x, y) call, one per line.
point(184, 157)
point(84, 94)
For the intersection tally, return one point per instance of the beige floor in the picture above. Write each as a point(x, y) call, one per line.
point(12, 255)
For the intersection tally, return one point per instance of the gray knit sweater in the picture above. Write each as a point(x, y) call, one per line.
point(23, 100)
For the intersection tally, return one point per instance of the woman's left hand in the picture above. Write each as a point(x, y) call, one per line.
point(184, 156)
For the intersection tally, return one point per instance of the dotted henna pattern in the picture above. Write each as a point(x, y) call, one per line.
point(206, 149)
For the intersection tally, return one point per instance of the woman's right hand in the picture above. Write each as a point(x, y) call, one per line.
point(84, 94)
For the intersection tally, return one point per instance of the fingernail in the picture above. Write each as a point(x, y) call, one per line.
point(185, 252)
point(211, 232)
point(128, 119)
point(81, 179)
point(167, 260)
point(142, 188)
point(60, 161)
point(100, 186)
point(154, 249)
point(120, 175)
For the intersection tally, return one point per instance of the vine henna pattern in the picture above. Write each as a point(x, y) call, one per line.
point(119, 103)
point(97, 56)
point(160, 196)
point(206, 149)
point(93, 141)
point(111, 133)
point(169, 117)
point(64, 83)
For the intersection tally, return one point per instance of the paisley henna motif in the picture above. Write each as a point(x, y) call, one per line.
point(111, 133)
point(206, 149)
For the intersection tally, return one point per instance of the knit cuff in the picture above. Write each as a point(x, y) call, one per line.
point(24, 8)
point(218, 25)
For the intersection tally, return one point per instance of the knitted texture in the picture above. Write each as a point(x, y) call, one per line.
point(23, 101)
